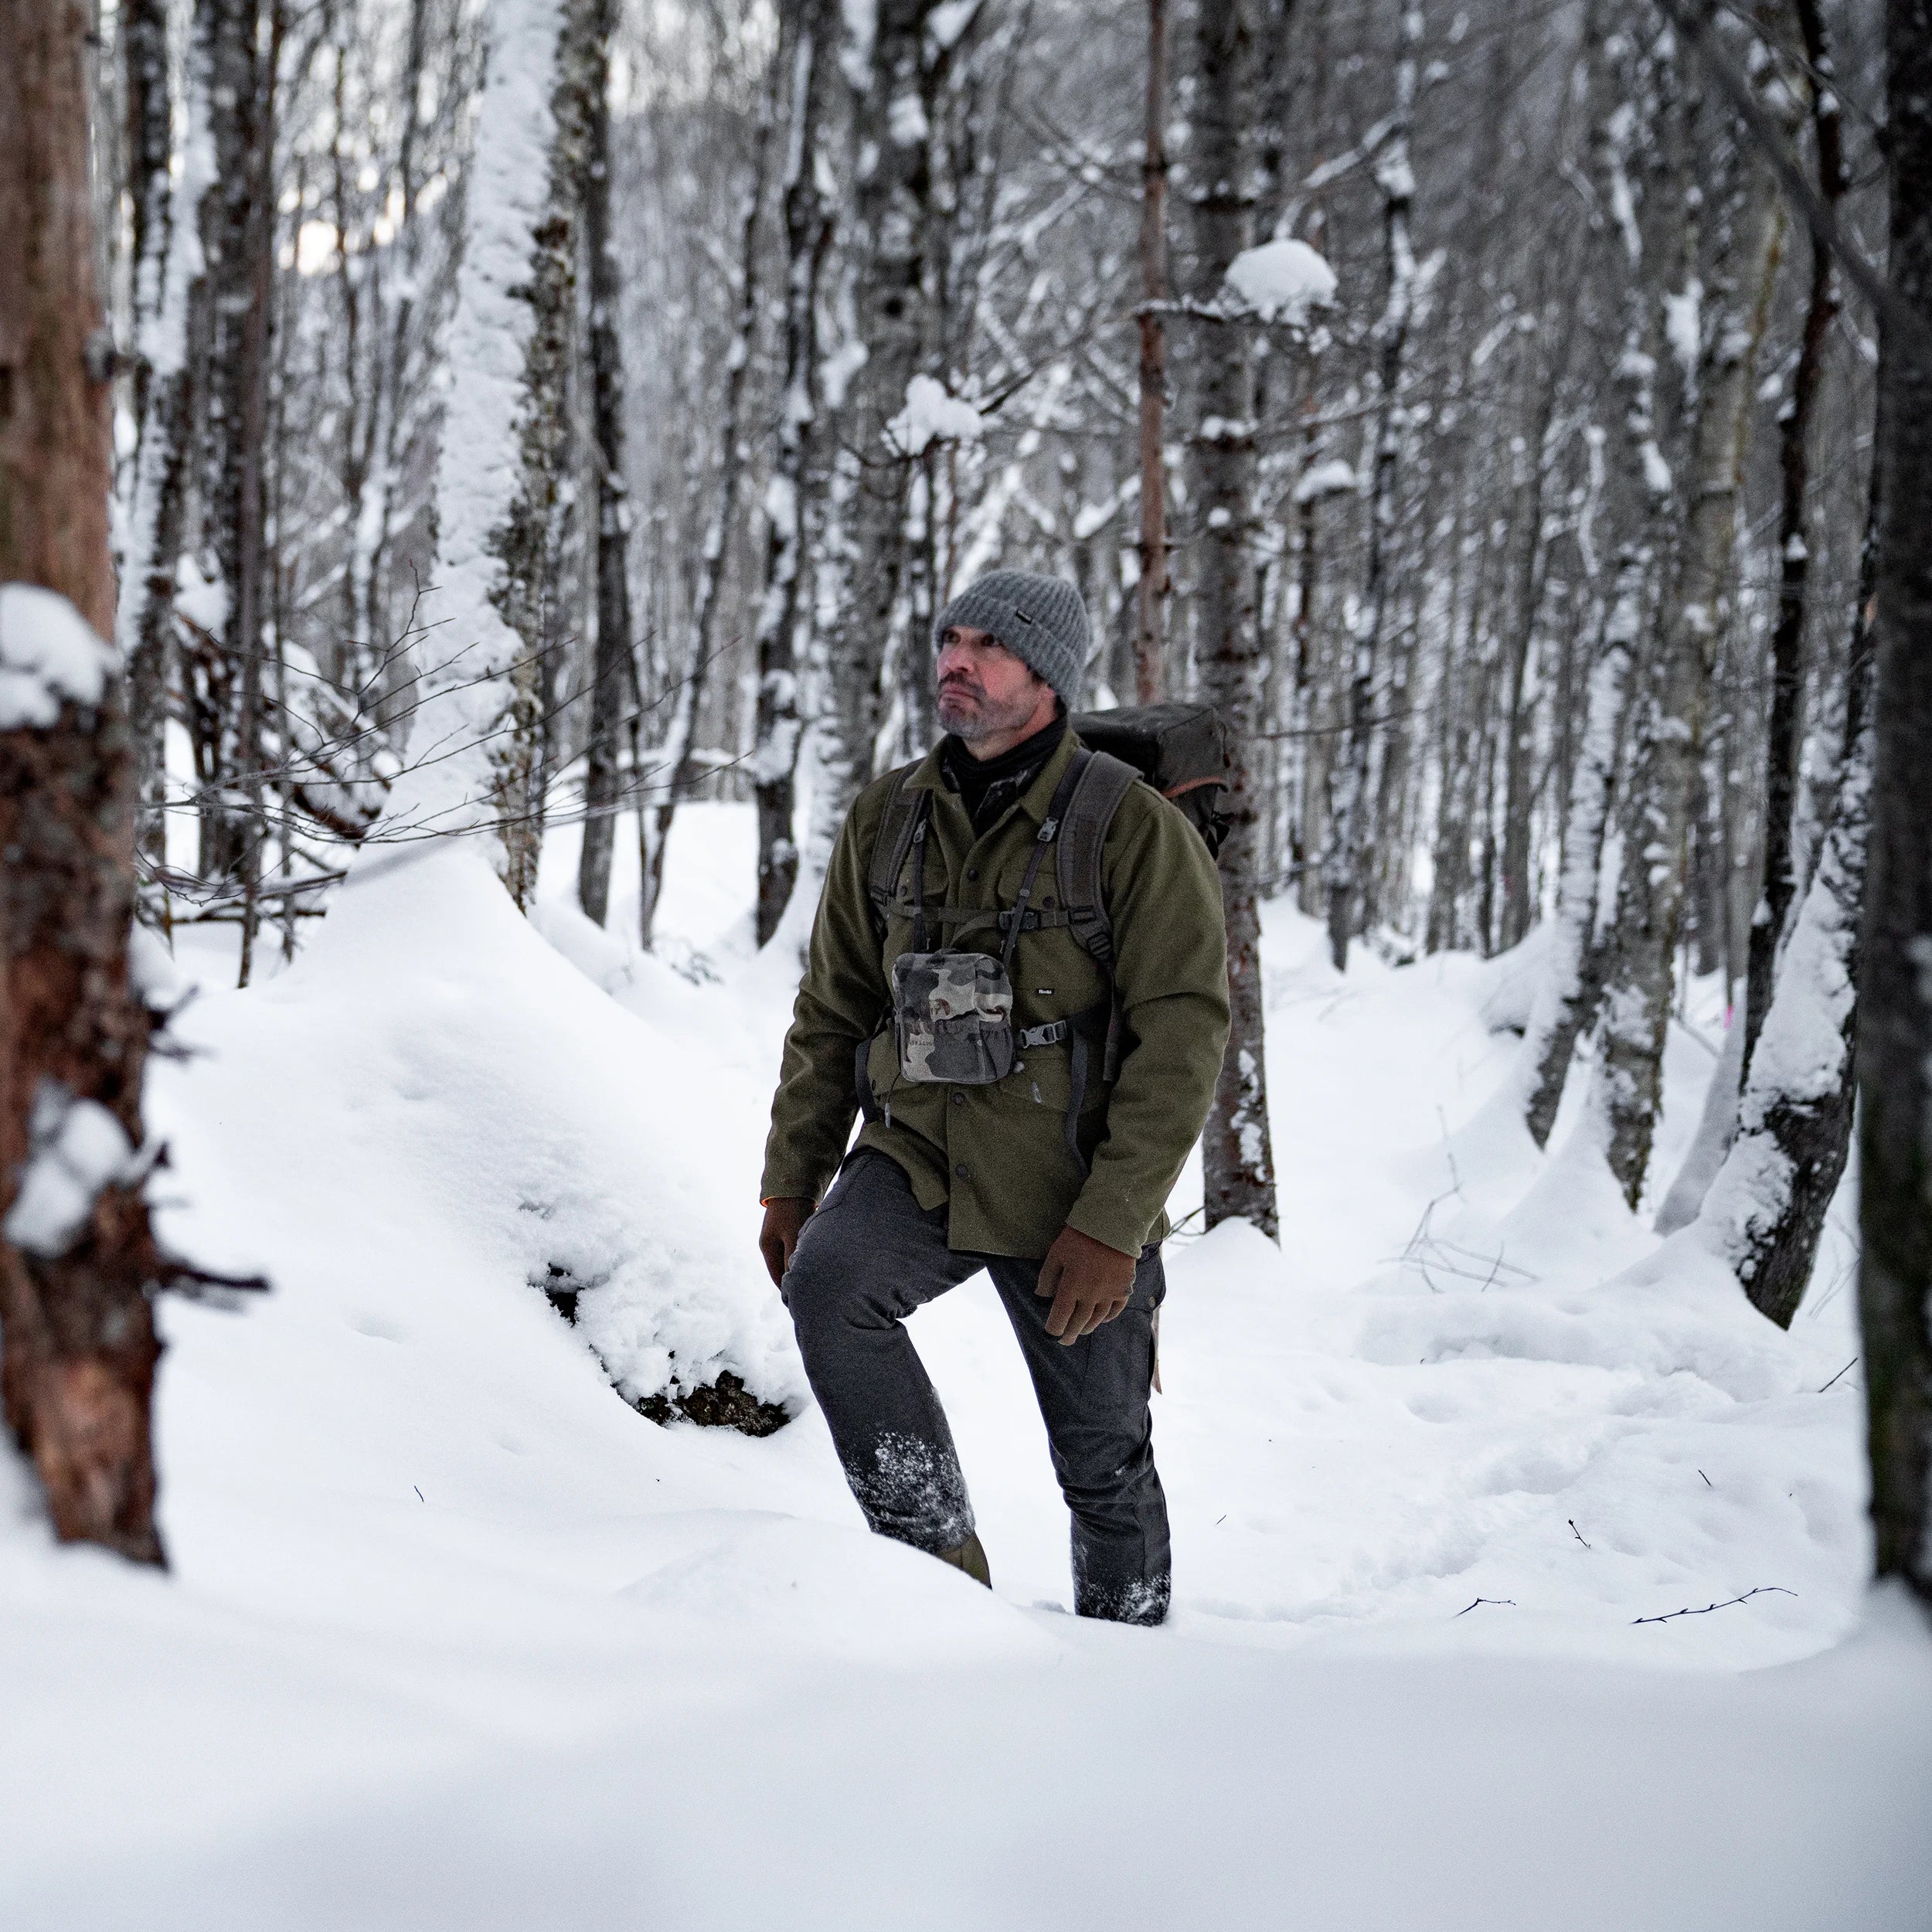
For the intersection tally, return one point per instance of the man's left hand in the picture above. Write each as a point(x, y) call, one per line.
point(1089, 1281)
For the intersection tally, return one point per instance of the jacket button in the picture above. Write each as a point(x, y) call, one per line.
point(959, 1100)
point(959, 1167)
point(972, 872)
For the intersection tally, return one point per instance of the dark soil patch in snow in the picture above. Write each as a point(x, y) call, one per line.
point(726, 1403)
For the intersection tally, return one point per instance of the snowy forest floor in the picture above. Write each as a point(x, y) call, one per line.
point(456, 1638)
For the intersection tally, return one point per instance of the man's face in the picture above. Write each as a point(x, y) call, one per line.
point(983, 689)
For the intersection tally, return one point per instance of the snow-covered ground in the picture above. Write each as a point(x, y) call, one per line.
point(454, 1637)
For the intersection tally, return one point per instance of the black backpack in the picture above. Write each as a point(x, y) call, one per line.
point(1180, 750)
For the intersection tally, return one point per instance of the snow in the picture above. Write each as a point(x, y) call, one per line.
point(78, 1148)
point(1281, 281)
point(1330, 479)
point(50, 655)
point(933, 415)
point(454, 1637)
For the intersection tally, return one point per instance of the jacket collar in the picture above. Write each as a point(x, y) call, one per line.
point(927, 776)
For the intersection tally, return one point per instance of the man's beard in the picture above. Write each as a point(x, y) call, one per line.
point(972, 722)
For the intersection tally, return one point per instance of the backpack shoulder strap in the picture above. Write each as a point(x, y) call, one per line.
point(893, 841)
point(1104, 782)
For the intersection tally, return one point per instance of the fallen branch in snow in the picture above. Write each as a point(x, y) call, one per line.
point(1505, 1603)
point(1763, 1589)
point(1577, 1533)
point(1846, 1370)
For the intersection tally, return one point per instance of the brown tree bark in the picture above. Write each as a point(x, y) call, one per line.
point(77, 1342)
point(1895, 1046)
point(1238, 1158)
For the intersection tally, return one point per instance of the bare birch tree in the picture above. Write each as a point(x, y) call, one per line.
point(885, 58)
point(808, 236)
point(614, 669)
point(474, 742)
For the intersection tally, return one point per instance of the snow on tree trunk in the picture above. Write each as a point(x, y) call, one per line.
point(77, 1342)
point(1238, 1159)
point(1566, 1001)
point(886, 63)
point(474, 742)
point(1640, 979)
point(1766, 1208)
point(614, 668)
point(1344, 872)
point(1895, 1057)
point(808, 228)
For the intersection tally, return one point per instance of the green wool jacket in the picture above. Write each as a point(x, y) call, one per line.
point(996, 1155)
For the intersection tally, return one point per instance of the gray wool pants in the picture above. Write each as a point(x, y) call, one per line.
point(865, 1261)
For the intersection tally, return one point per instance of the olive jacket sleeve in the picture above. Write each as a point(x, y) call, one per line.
point(842, 1000)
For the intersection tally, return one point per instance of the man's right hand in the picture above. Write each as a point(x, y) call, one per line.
point(783, 1218)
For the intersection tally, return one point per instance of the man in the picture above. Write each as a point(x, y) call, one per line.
point(1008, 1127)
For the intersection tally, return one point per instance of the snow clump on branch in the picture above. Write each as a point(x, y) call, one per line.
point(930, 416)
point(1281, 281)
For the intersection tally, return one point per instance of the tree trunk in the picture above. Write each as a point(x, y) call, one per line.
point(1767, 1207)
point(1639, 985)
point(891, 297)
point(1519, 720)
point(1346, 870)
point(613, 668)
point(167, 213)
point(1787, 631)
point(1566, 1003)
point(1239, 1161)
point(678, 770)
point(1895, 1053)
point(77, 1342)
point(807, 223)
point(1151, 595)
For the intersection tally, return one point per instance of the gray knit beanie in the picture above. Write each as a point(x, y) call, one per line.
point(1041, 620)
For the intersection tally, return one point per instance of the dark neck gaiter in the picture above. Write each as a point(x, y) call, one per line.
point(987, 785)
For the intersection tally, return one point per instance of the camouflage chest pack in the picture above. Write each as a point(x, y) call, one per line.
point(952, 1014)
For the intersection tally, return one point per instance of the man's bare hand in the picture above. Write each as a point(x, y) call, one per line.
point(1089, 1281)
point(783, 1218)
